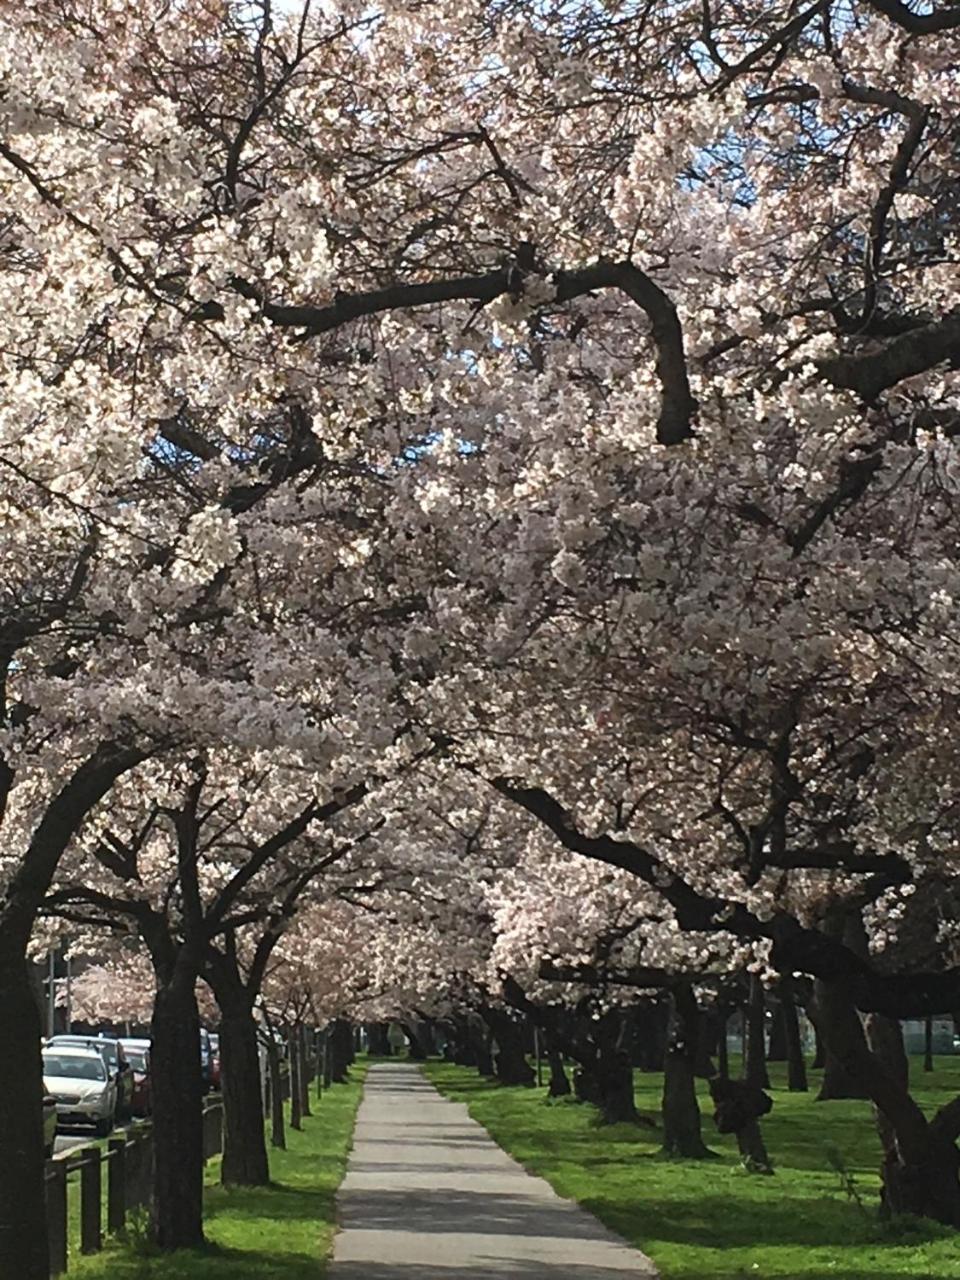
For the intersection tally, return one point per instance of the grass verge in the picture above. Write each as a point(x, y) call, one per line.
point(711, 1220)
point(283, 1232)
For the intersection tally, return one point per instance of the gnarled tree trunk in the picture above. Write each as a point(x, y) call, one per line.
point(921, 1167)
point(682, 1134)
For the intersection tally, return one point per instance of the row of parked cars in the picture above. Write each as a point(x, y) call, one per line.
point(104, 1081)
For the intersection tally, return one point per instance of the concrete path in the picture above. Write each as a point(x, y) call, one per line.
point(429, 1196)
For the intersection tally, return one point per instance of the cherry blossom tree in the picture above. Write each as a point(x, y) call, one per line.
point(568, 386)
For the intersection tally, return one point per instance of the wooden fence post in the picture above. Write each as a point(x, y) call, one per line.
point(91, 1236)
point(56, 1182)
point(117, 1184)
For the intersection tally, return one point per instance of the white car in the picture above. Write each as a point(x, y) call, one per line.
point(81, 1084)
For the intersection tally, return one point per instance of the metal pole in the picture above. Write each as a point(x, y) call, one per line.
point(51, 994)
point(536, 1050)
point(68, 1012)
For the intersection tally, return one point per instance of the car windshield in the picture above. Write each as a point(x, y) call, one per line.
point(66, 1066)
point(137, 1060)
point(106, 1048)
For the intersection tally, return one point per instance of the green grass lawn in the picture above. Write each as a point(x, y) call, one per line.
point(709, 1220)
point(281, 1233)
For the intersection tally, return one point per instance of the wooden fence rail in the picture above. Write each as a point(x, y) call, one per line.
point(129, 1185)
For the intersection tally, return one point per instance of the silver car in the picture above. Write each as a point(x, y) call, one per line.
point(79, 1081)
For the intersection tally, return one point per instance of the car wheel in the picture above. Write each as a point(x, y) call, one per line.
point(48, 1151)
point(105, 1127)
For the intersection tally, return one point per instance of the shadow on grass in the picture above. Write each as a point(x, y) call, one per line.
point(212, 1263)
point(275, 1203)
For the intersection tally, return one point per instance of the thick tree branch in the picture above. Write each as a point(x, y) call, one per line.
point(677, 403)
point(917, 23)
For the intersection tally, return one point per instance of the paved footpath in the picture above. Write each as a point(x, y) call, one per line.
point(429, 1196)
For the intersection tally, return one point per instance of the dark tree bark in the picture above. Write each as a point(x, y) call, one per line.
point(681, 1113)
point(24, 1253)
point(378, 1040)
point(614, 1071)
point(738, 1108)
point(480, 1046)
point(819, 1054)
point(921, 1162)
point(339, 1051)
point(510, 1062)
point(23, 1225)
point(278, 1134)
point(306, 1070)
point(755, 1060)
point(777, 1048)
point(244, 1162)
point(796, 1067)
point(177, 1111)
point(650, 1037)
point(327, 1043)
point(559, 1086)
point(838, 1081)
point(296, 1093)
point(723, 1057)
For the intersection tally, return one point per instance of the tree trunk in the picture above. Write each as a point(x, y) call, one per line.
point(738, 1108)
point(723, 1056)
point(245, 1162)
point(755, 1062)
point(23, 1220)
point(480, 1048)
point(378, 1040)
point(339, 1051)
point(327, 1043)
point(278, 1135)
point(920, 1167)
point(796, 1067)
point(614, 1071)
point(681, 1112)
point(837, 1080)
point(296, 1094)
point(305, 1072)
point(510, 1062)
point(415, 1050)
point(650, 1040)
point(559, 1086)
point(777, 1049)
point(177, 1114)
point(819, 1055)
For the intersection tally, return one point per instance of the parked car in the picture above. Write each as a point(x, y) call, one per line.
point(115, 1060)
point(84, 1090)
point(49, 1123)
point(206, 1060)
point(138, 1055)
point(214, 1060)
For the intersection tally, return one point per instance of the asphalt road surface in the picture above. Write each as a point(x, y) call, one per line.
point(429, 1196)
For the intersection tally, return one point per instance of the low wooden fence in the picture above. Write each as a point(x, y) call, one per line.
point(93, 1183)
